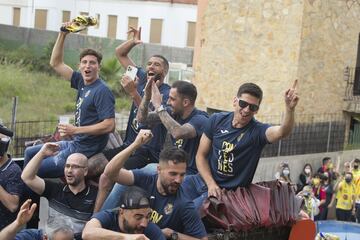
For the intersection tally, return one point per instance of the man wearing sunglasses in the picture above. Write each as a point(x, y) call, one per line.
point(231, 144)
point(70, 204)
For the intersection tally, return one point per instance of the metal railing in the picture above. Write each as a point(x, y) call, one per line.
point(311, 134)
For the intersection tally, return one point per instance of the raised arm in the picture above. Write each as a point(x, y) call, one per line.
point(25, 214)
point(176, 130)
point(29, 176)
point(276, 133)
point(121, 53)
point(57, 58)
point(123, 49)
point(204, 168)
point(94, 231)
point(113, 169)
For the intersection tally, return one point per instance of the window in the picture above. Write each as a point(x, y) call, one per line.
point(66, 16)
point(132, 22)
point(16, 16)
point(191, 34)
point(85, 31)
point(112, 25)
point(40, 18)
point(356, 90)
point(155, 30)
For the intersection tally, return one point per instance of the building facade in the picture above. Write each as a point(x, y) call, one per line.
point(165, 22)
point(272, 43)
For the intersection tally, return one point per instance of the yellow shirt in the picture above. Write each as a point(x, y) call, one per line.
point(356, 173)
point(357, 190)
point(345, 196)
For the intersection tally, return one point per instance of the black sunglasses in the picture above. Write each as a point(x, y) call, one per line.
point(252, 107)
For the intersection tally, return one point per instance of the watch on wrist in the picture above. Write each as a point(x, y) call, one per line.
point(174, 236)
point(161, 108)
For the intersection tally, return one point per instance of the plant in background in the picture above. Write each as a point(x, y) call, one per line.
point(111, 72)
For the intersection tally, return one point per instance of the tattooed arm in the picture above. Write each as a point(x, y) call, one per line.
point(143, 116)
point(176, 130)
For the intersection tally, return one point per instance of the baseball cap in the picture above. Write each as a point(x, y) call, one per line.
point(134, 198)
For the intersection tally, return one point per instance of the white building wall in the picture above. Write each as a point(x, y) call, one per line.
point(175, 16)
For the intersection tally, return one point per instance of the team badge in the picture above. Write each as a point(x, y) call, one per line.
point(168, 208)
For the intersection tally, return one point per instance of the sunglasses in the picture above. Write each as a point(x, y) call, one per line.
point(252, 107)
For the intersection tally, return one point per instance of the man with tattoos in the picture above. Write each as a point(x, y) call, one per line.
point(181, 118)
point(156, 69)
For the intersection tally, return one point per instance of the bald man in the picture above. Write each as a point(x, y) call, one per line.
point(63, 198)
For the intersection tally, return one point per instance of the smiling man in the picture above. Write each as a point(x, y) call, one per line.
point(172, 211)
point(156, 70)
point(129, 221)
point(70, 204)
point(231, 144)
point(95, 110)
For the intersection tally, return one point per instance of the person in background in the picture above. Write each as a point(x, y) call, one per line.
point(345, 195)
point(325, 196)
point(311, 203)
point(327, 166)
point(305, 177)
point(355, 168)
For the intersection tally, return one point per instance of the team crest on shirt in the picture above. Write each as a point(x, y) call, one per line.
point(168, 208)
point(345, 197)
point(87, 93)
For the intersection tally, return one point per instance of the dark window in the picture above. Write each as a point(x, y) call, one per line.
point(357, 72)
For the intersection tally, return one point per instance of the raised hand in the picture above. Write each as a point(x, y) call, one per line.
point(136, 35)
point(128, 84)
point(291, 97)
point(26, 212)
point(143, 136)
point(50, 149)
point(156, 97)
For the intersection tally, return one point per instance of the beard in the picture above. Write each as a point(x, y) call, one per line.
point(132, 230)
point(171, 188)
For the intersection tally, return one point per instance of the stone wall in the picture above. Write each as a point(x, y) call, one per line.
point(272, 43)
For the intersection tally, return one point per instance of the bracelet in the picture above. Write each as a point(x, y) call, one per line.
point(160, 109)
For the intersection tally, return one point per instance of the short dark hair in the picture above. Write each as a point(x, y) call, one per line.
point(166, 62)
point(356, 160)
point(252, 89)
point(186, 89)
point(89, 51)
point(134, 197)
point(325, 159)
point(177, 155)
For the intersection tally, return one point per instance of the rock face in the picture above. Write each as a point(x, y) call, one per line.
point(271, 43)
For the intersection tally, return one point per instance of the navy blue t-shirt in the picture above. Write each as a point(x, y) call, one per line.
point(95, 103)
point(109, 220)
point(133, 126)
point(198, 120)
point(235, 152)
point(10, 181)
point(173, 211)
